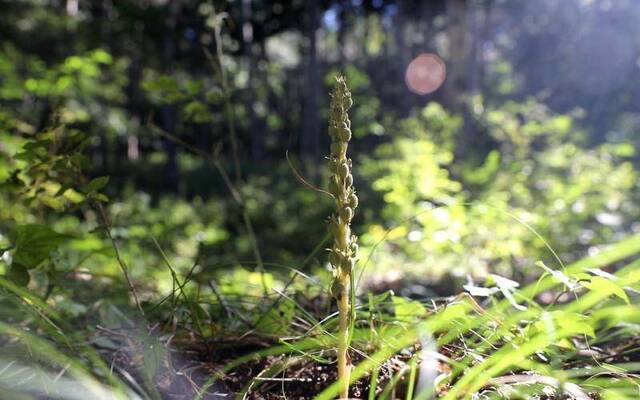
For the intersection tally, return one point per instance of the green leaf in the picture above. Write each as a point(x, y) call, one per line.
point(278, 319)
point(34, 244)
point(154, 354)
point(96, 184)
point(100, 197)
point(18, 274)
point(607, 288)
point(568, 323)
point(408, 309)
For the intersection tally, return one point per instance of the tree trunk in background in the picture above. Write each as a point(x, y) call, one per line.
point(463, 75)
point(168, 117)
point(484, 37)
point(256, 128)
point(72, 7)
point(479, 26)
point(135, 98)
point(102, 14)
point(310, 135)
point(473, 141)
point(403, 57)
point(475, 52)
point(459, 50)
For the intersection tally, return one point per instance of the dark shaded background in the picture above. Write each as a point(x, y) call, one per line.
point(121, 71)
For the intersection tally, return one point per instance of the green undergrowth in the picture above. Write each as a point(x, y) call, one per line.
point(131, 299)
point(572, 333)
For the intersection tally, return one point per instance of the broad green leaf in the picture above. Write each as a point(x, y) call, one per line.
point(73, 196)
point(100, 197)
point(278, 319)
point(608, 287)
point(407, 309)
point(154, 355)
point(567, 322)
point(34, 244)
point(18, 274)
point(453, 312)
point(96, 184)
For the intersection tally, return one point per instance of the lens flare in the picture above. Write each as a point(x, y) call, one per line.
point(425, 74)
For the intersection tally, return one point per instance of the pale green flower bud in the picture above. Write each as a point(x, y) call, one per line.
point(348, 180)
point(353, 201)
point(346, 214)
point(345, 135)
point(343, 170)
point(348, 102)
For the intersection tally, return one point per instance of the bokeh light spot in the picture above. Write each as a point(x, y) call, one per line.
point(425, 74)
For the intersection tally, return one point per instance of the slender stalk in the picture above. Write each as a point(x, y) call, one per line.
point(230, 117)
point(344, 250)
point(344, 363)
point(123, 266)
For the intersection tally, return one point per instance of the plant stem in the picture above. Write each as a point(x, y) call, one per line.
point(123, 266)
point(344, 250)
point(344, 364)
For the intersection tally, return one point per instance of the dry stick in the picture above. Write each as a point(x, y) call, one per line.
point(121, 263)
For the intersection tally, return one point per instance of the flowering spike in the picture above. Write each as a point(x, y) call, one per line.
point(344, 250)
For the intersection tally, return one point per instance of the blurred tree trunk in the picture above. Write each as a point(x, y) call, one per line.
point(101, 14)
point(480, 25)
point(486, 37)
point(474, 57)
point(256, 128)
point(168, 113)
point(310, 143)
point(403, 100)
point(72, 7)
point(459, 51)
point(135, 98)
point(466, 32)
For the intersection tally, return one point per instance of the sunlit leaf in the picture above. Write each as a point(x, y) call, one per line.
point(406, 309)
point(607, 287)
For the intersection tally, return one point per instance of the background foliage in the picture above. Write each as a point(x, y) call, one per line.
point(167, 124)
